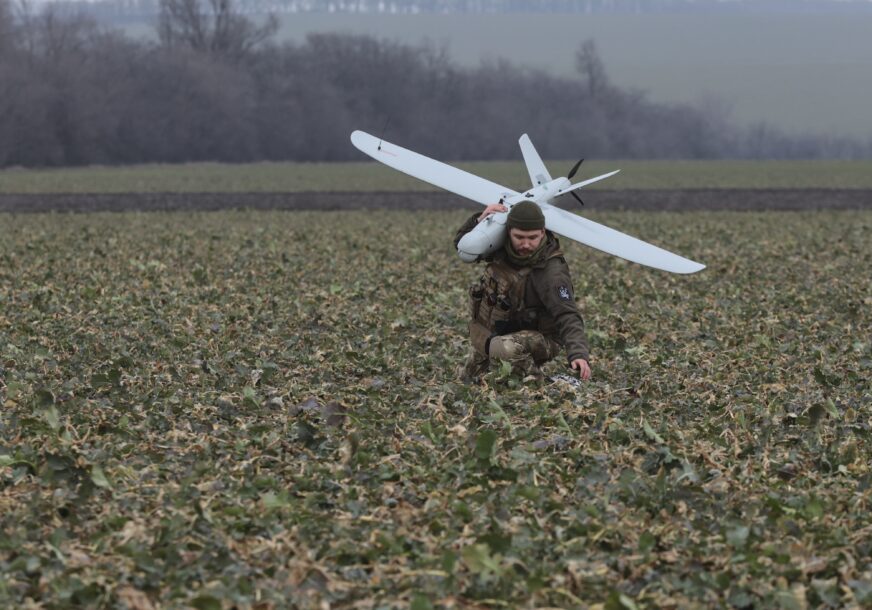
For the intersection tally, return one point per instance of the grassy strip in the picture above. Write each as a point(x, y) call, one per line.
point(261, 410)
point(370, 176)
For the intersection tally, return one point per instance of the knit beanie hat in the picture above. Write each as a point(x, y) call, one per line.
point(526, 216)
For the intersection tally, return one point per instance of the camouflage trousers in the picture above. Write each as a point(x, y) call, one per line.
point(525, 350)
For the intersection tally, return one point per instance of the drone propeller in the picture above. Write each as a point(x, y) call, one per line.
point(574, 169)
point(569, 177)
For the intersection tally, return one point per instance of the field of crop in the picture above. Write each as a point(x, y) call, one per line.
point(260, 410)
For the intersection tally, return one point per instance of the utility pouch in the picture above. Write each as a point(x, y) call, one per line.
point(498, 288)
point(502, 295)
point(506, 327)
point(476, 293)
point(480, 337)
point(501, 311)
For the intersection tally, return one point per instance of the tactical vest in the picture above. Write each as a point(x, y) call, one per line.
point(497, 300)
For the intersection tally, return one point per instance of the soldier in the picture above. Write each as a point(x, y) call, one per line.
point(522, 308)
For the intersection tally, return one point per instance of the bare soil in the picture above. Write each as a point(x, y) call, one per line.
point(664, 200)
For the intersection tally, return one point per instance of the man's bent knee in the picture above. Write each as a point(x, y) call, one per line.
point(506, 347)
point(524, 344)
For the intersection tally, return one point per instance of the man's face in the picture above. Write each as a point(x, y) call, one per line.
point(526, 242)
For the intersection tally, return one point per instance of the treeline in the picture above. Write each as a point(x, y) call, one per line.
point(213, 87)
point(113, 9)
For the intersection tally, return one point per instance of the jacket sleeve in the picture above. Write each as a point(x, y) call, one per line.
point(468, 226)
point(554, 288)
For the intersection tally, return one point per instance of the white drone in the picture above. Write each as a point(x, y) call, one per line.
point(490, 234)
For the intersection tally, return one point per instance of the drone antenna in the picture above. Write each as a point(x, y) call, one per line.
point(384, 129)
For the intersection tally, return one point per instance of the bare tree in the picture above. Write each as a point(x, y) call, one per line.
point(74, 93)
point(590, 66)
point(6, 25)
point(211, 26)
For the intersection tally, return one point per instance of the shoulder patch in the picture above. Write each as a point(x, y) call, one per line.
point(564, 292)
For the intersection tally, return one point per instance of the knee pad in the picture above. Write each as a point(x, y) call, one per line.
point(506, 347)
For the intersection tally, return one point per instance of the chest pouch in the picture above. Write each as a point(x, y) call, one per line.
point(498, 297)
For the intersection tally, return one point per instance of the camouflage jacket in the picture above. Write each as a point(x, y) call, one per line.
point(548, 297)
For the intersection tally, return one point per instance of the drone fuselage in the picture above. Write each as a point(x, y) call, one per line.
point(490, 234)
point(487, 237)
point(544, 193)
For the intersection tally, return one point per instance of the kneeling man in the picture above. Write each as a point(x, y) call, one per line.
point(522, 308)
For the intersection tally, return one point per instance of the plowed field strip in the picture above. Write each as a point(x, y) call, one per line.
point(671, 200)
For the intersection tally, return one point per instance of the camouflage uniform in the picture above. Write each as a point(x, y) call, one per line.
point(523, 315)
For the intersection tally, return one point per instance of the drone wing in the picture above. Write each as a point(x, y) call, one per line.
point(578, 185)
point(431, 171)
point(614, 242)
point(486, 192)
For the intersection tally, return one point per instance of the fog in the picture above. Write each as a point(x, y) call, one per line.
point(799, 72)
point(804, 66)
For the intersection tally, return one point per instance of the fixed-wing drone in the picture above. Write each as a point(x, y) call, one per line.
point(490, 234)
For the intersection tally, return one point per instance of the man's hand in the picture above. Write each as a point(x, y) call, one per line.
point(583, 368)
point(492, 209)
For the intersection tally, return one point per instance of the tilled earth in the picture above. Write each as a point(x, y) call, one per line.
point(671, 200)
